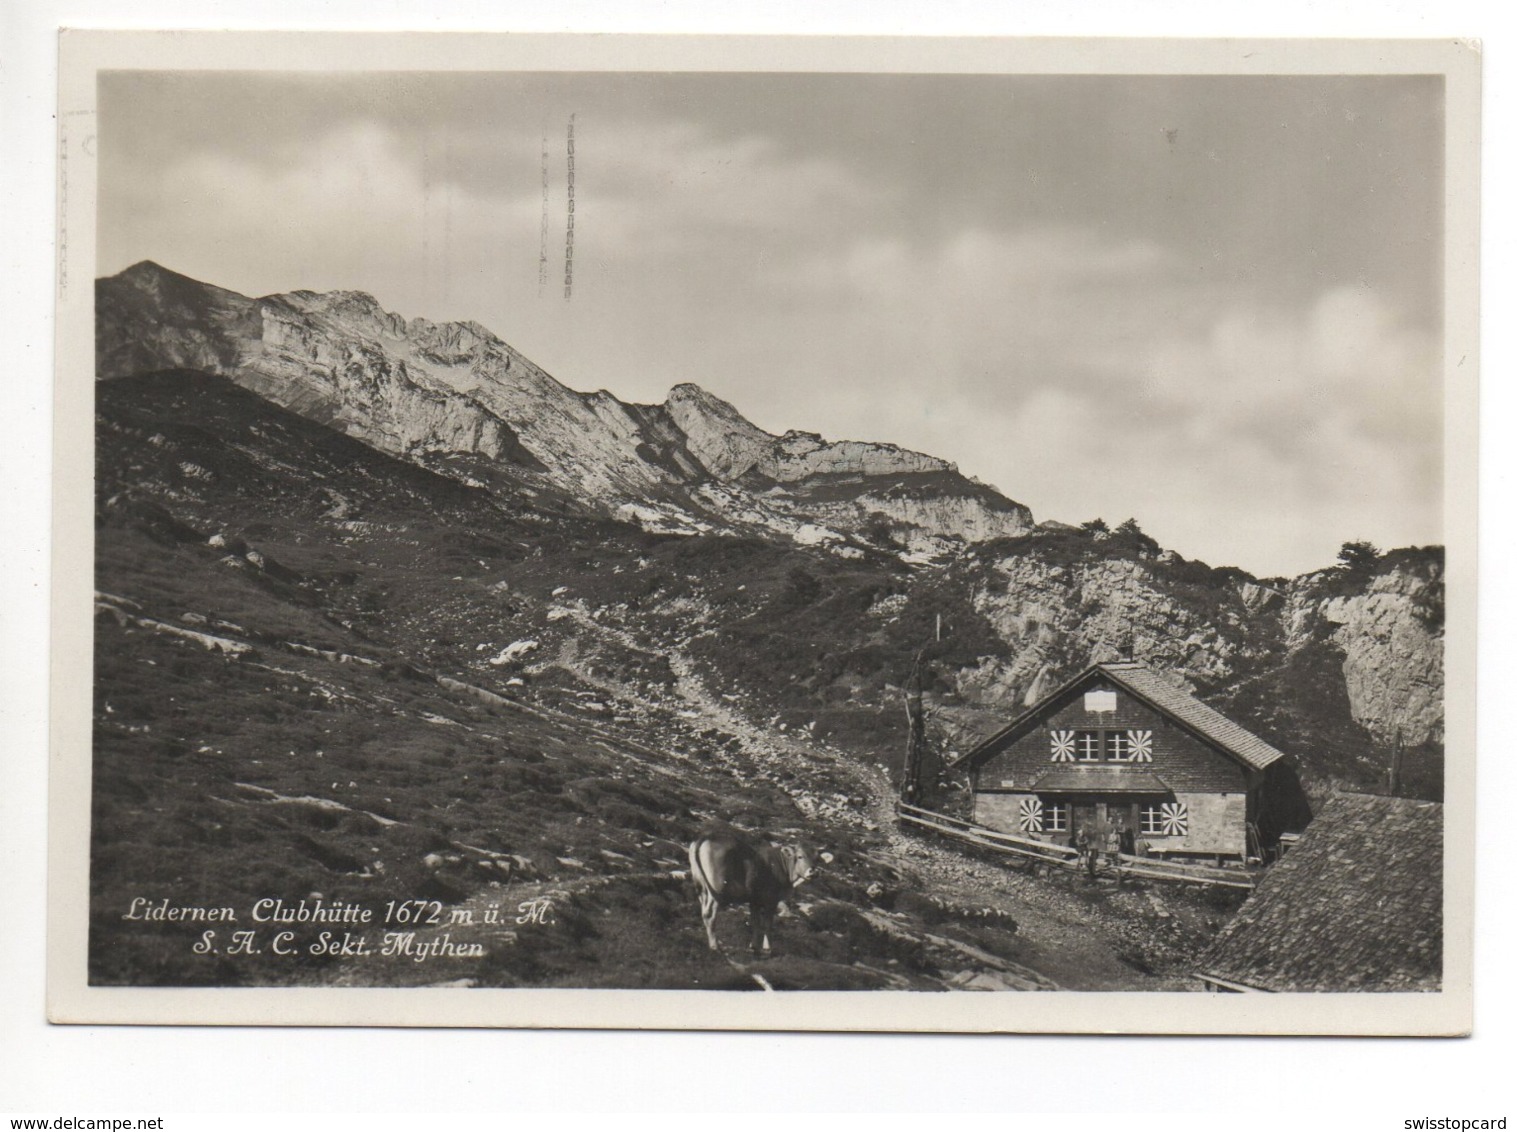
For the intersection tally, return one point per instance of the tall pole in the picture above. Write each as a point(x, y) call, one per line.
point(911, 772)
point(1395, 776)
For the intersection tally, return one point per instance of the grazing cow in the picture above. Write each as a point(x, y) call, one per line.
point(729, 869)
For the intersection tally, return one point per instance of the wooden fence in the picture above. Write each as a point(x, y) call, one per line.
point(1059, 856)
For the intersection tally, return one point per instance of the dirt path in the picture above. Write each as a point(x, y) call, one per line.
point(782, 757)
point(1081, 937)
point(1066, 936)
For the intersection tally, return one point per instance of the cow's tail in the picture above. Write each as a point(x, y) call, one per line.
point(697, 870)
point(705, 891)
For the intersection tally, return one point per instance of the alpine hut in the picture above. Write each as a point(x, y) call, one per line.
point(1119, 748)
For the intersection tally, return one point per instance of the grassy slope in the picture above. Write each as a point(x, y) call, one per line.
point(282, 772)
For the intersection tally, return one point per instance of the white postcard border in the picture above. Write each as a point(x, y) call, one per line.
point(71, 999)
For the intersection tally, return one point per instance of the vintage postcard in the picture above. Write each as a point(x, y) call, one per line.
point(687, 532)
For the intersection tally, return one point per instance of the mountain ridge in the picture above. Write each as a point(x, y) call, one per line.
point(441, 393)
point(367, 625)
point(455, 399)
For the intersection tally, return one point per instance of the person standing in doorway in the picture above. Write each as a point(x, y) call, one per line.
point(1088, 850)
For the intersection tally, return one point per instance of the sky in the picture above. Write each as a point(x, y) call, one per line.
point(1213, 304)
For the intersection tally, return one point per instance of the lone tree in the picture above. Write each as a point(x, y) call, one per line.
point(1358, 557)
point(1133, 535)
point(1095, 527)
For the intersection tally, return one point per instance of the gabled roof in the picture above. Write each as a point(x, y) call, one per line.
point(1356, 906)
point(1207, 722)
point(1148, 686)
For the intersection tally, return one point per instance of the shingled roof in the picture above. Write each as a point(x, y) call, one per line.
point(1356, 906)
point(1207, 722)
point(1146, 684)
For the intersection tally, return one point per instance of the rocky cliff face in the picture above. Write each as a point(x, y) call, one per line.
point(1391, 635)
point(804, 455)
point(1338, 664)
point(424, 390)
point(1059, 617)
point(924, 513)
point(353, 383)
point(724, 443)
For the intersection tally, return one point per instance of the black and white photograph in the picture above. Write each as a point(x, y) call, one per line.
point(935, 525)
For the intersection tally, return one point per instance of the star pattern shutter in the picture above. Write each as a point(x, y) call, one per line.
point(1030, 815)
point(1165, 819)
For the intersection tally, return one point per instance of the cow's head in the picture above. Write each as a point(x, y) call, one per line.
point(799, 863)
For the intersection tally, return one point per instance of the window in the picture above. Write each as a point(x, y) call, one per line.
point(1131, 746)
point(1163, 819)
point(1036, 816)
point(1105, 745)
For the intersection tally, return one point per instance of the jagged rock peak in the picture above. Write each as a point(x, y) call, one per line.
point(688, 401)
point(800, 455)
point(441, 342)
point(336, 302)
point(689, 393)
point(164, 283)
point(360, 299)
point(147, 269)
point(728, 445)
point(725, 442)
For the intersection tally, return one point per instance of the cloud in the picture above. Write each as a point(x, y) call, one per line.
point(1084, 364)
point(677, 182)
point(360, 211)
point(1268, 436)
point(1311, 384)
point(1087, 375)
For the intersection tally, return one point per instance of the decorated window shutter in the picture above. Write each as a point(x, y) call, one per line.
point(1030, 815)
point(1062, 744)
point(1166, 819)
point(1140, 746)
point(1173, 819)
